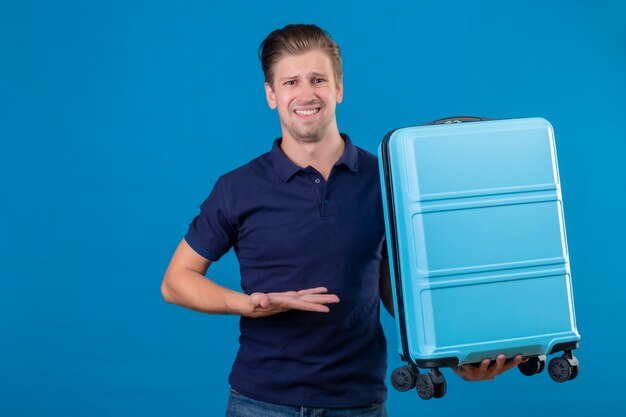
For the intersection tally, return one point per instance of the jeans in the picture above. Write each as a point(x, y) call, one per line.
point(241, 406)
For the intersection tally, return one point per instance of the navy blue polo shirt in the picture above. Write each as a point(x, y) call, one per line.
point(292, 230)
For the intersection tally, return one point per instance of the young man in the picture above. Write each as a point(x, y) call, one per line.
point(306, 223)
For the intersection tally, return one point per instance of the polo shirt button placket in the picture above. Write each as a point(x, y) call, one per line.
point(318, 181)
point(321, 191)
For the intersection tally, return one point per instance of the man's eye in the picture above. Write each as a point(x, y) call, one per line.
point(290, 82)
point(318, 80)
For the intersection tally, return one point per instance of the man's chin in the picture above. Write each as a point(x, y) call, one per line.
point(307, 134)
point(307, 137)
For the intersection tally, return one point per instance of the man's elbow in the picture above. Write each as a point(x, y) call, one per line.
point(167, 294)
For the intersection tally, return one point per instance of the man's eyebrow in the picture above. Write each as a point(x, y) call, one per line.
point(311, 74)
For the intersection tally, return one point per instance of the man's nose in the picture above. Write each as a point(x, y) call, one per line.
point(307, 92)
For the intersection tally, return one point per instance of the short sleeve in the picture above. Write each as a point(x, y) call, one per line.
point(210, 233)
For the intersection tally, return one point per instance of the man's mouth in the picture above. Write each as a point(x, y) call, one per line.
point(307, 112)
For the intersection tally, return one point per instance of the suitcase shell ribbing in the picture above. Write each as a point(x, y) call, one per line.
point(477, 243)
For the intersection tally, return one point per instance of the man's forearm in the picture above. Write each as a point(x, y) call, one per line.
point(192, 290)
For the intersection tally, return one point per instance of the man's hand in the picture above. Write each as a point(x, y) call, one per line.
point(487, 370)
point(312, 299)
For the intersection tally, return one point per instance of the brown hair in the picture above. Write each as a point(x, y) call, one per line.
point(294, 40)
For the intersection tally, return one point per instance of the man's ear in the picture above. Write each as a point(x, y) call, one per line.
point(270, 96)
point(339, 94)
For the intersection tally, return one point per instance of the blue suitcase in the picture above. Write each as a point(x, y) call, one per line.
point(477, 248)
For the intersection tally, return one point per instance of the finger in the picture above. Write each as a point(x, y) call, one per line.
point(317, 290)
point(320, 298)
point(298, 304)
point(500, 359)
point(305, 306)
point(484, 365)
point(499, 366)
point(512, 363)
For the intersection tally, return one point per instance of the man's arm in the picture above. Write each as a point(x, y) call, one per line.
point(184, 284)
point(386, 295)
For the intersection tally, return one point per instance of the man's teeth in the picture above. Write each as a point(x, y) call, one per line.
point(307, 112)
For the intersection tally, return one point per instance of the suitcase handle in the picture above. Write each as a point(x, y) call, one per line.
point(457, 119)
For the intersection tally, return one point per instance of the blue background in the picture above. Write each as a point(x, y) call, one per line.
point(116, 118)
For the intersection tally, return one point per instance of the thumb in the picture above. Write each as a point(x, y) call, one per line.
point(265, 301)
point(259, 299)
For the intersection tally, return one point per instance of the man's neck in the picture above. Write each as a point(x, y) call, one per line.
point(321, 155)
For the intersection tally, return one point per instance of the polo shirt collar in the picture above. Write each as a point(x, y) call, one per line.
point(286, 169)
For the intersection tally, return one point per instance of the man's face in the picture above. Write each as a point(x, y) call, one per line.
point(305, 93)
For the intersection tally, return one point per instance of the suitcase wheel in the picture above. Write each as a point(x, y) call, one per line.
point(533, 366)
point(404, 378)
point(431, 384)
point(425, 386)
point(563, 368)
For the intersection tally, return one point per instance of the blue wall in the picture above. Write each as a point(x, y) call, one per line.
point(116, 118)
